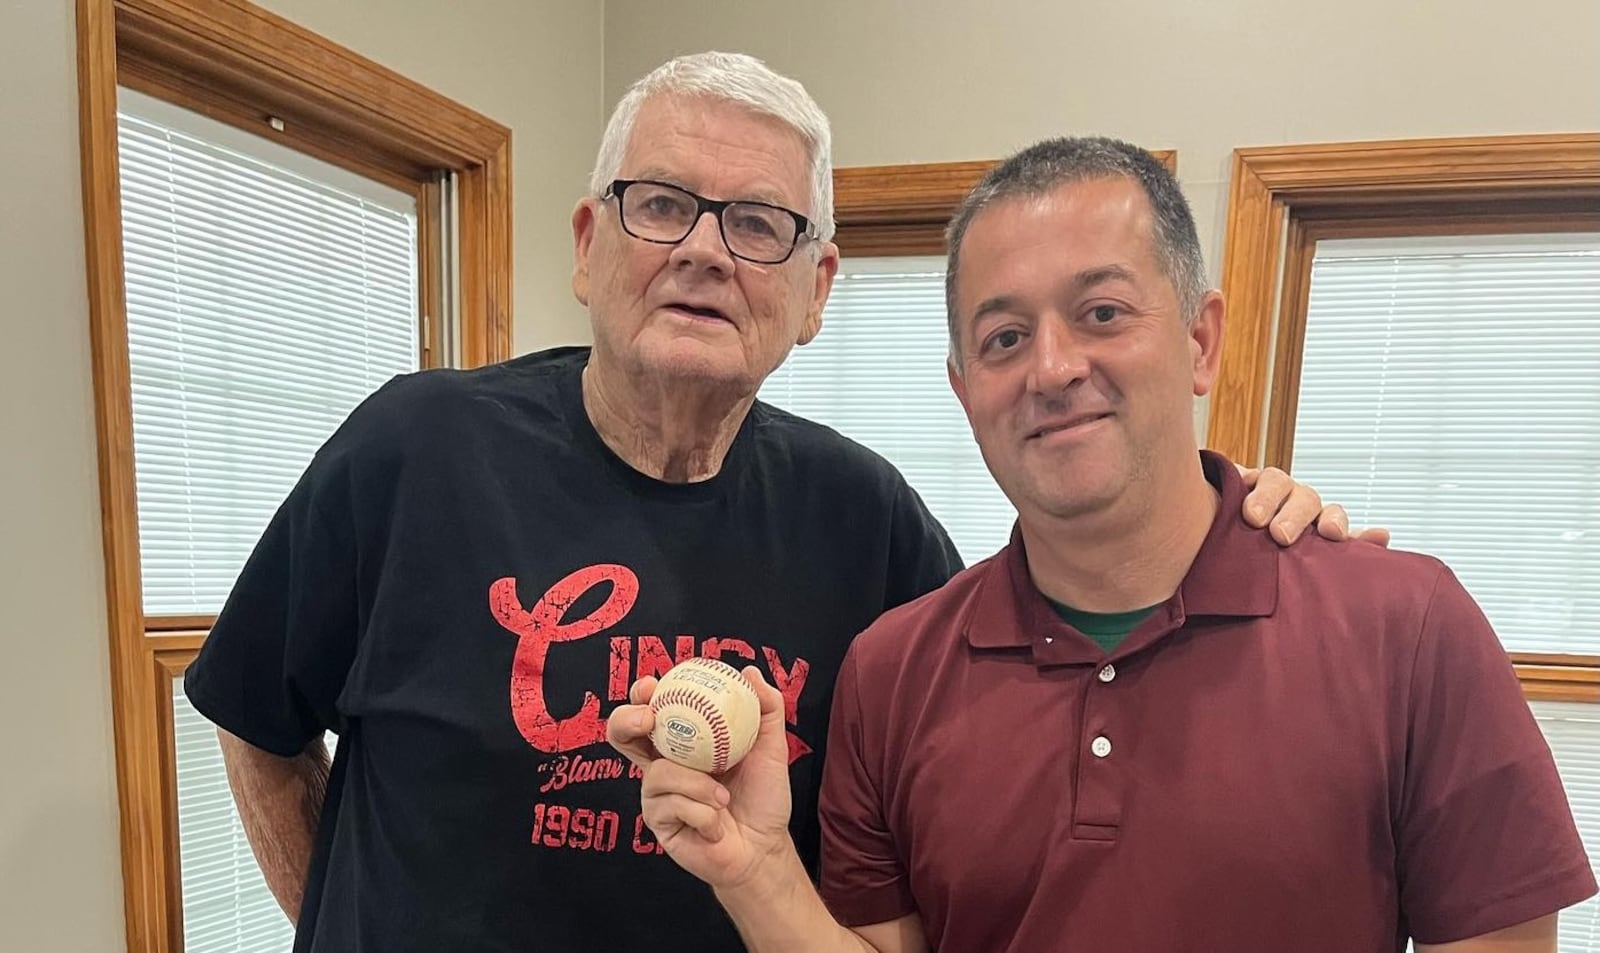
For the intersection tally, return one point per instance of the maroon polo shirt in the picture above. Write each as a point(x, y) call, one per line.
point(1318, 748)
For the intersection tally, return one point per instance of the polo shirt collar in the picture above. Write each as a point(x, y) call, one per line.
point(1235, 574)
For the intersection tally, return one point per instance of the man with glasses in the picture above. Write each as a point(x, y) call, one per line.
point(478, 564)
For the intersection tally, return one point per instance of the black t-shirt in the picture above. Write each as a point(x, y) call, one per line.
point(465, 582)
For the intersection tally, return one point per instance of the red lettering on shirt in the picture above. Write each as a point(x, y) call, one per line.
point(653, 658)
point(630, 657)
point(539, 628)
point(716, 648)
point(791, 682)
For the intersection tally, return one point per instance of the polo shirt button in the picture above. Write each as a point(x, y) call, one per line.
point(1108, 673)
point(1101, 746)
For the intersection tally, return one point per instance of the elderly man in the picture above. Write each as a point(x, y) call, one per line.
point(477, 565)
point(1141, 727)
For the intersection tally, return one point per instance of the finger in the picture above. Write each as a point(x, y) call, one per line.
point(1376, 535)
point(665, 778)
point(628, 730)
point(666, 813)
point(1333, 523)
point(1248, 475)
point(641, 691)
point(1273, 487)
point(771, 747)
point(1299, 511)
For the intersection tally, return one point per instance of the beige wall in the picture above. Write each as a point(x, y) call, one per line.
point(913, 81)
point(60, 871)
point(534, 67)
point(917, 81)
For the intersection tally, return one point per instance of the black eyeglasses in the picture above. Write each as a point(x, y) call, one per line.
point(666, 214)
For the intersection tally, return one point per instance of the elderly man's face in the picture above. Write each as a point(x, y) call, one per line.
point(692, 311)
point(1078, 370)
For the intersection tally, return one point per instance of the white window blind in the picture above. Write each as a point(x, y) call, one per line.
point(1573, 730)
point(876, 374)
point(226, 903)
point(267, 294)
point(263, 305)
point(1450, 390)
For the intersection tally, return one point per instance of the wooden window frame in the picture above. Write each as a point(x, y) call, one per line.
point(1285, 199)
point(245, 66)
point(898, 210)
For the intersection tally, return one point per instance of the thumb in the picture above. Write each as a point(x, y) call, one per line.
point(773, 725)
point(770, 698)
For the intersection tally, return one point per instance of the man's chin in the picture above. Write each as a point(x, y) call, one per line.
point(1069, 496)
point(697, 363)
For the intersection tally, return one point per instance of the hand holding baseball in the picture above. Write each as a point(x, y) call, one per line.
point(718, 828)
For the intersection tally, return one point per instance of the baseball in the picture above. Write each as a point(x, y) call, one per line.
point(706, 715)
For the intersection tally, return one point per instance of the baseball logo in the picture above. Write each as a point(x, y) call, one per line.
point(706, 715)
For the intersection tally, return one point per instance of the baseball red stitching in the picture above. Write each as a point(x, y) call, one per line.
point(721, 737)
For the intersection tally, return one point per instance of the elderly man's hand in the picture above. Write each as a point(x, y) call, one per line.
point(721, 829)
point(1291, 507)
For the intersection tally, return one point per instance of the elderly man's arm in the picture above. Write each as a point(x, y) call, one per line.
point(1535, 936)
point(280, 800)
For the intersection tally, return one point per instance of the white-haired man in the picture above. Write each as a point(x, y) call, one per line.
point(478, 564)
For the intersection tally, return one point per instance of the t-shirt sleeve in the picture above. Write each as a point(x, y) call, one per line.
point(921, 556)
point(863, 881)
point(273, 666)
point(1485, 836)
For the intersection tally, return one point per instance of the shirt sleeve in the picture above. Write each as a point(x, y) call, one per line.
point(921, 557)
point(863, 881)
point(1485, 837)
point(273, 666)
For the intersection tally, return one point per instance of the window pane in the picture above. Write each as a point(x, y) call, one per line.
point(227, 907)
point(1451, 391)
point(876, 374)
point(263, 305)
point(1573, 730)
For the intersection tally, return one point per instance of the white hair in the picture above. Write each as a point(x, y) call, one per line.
point(736, 78)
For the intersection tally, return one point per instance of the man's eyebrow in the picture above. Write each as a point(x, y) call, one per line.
point(988, 306)
point(1081, 282)
point(1092, 277)
point(759, 194)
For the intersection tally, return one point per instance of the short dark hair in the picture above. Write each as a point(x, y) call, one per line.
point(1045, 166)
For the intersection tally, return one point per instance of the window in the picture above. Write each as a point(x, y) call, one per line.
point(267, 294)
point(264, 302)
point(224, 353)
point(1416, 327)
point(1449, 390)
point(1573, 730)
point(876, 374)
